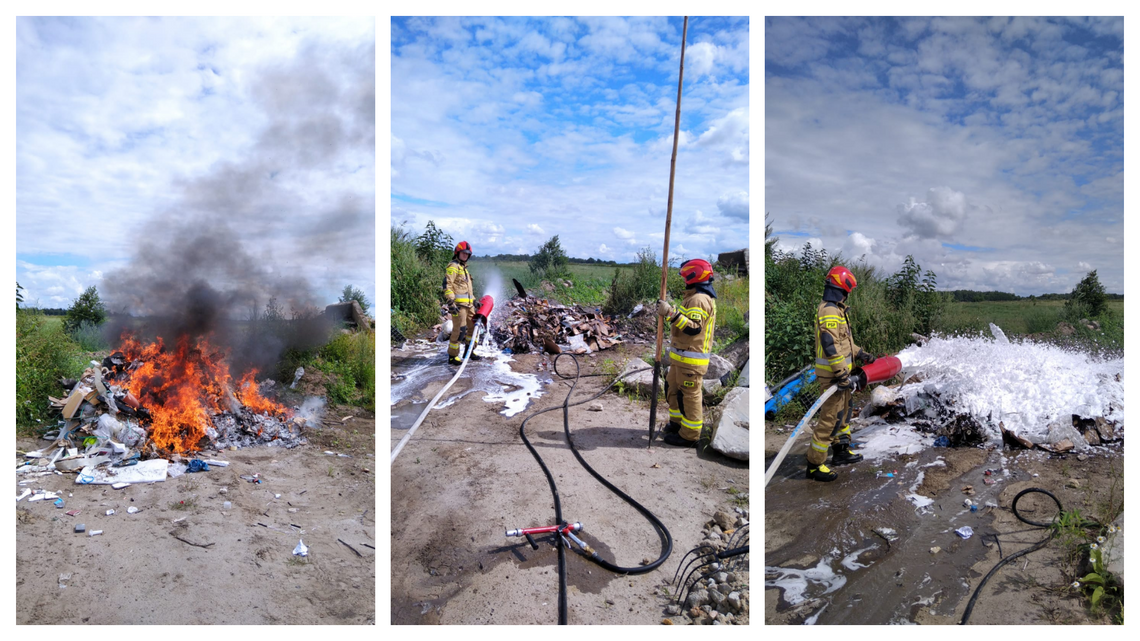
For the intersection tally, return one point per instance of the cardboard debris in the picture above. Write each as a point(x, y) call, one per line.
point(537, 324)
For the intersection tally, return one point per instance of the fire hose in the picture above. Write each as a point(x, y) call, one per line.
point(486, 305)
point(1033, 548)
point(881, 370)
point(565, 529)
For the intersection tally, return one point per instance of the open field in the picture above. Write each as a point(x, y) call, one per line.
point(1014, 317)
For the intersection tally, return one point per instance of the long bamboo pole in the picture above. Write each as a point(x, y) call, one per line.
point(665, 252)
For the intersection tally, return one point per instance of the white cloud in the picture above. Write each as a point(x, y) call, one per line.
point(734, 204)
point(940, 216)
point(623, 233)
point(535, 230)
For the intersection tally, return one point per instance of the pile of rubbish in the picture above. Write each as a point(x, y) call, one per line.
point(105, 435)
point(972, 391)
point(535, 324)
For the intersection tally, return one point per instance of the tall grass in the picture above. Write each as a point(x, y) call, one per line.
point(417, 286)
point(44, 354)
point(640, 283)
point(89, 336)
point(731, 305)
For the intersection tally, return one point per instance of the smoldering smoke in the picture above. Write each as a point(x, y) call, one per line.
point(242, 241)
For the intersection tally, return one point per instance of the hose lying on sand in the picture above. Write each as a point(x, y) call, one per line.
point(662, 531)
point(1037, 546)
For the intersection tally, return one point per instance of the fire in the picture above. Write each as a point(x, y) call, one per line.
point(185, 386)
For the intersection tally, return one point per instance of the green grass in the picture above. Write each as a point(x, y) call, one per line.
point(44, 354)
point(731, 305)
point(591, 282)
point(1037, 317)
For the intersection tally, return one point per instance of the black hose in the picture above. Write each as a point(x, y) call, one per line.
point(1040, 544)
point(663, 532)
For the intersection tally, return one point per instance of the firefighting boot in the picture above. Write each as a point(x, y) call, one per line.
point(474, 356)
point(675, 439)
point(454, 360)
point(842, 454)
point(671, 428)
point(821, 473)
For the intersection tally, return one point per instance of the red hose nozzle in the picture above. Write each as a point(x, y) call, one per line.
point(881, 370)
point(486, 304)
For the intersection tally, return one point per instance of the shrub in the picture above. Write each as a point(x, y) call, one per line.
point(1088, 293)
point(44, 354)
point(89, 337)
point(351, 293)
point(550, 261)
point(417, 284)
point(640, 283)
point(88, 307)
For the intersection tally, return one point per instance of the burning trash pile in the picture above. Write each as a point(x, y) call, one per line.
point(534, 324)
point(147, 403)
point(972, 391)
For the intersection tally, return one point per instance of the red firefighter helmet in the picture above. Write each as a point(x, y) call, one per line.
point(463, 246)
point(696, 271)
point(841, 277)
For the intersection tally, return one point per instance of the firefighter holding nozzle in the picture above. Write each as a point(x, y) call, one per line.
point(835, 353)
point(459, 291)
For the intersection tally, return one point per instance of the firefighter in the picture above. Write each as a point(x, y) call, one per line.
point(460, 294)
point(691, 336)
point(835, 352)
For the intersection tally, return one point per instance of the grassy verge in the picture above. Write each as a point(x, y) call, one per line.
point(44, 354)
point(349, 363)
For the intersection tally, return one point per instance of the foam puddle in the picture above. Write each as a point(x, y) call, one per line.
point(1022, 384)
point(880, 440)
point(795, 582)
point(500, 383)
point(492, 376)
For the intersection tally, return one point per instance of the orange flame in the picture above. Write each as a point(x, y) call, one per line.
point(185, 386)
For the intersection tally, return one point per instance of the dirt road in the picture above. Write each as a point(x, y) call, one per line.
point(466, 477)
point(185, 559)
point(859, 551)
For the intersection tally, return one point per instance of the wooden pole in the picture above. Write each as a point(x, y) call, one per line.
point(665, 252)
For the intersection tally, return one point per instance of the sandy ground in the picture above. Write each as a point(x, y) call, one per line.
point(805, 520)
point(138, 572)
point(466, 477)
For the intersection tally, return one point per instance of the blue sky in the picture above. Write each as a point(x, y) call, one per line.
point(991, 149)
point(136, 135)
point(507, 131)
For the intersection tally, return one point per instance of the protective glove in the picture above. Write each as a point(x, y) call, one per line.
point(452, 308)
point(866, 357)
point(664, 309)
point(848, 383)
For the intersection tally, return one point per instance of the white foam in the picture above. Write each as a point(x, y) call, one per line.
point(1023, 384)
point(795, 582)
point(880, 440)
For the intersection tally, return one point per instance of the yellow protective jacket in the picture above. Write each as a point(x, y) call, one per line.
point(457, 285)
point(835, 348)
point(691, 331)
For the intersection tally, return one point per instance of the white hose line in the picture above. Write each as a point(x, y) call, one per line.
point(423, 415)
point(788, 446)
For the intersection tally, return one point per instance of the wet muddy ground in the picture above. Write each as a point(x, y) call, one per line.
point(859, 549)
point(466, 477)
